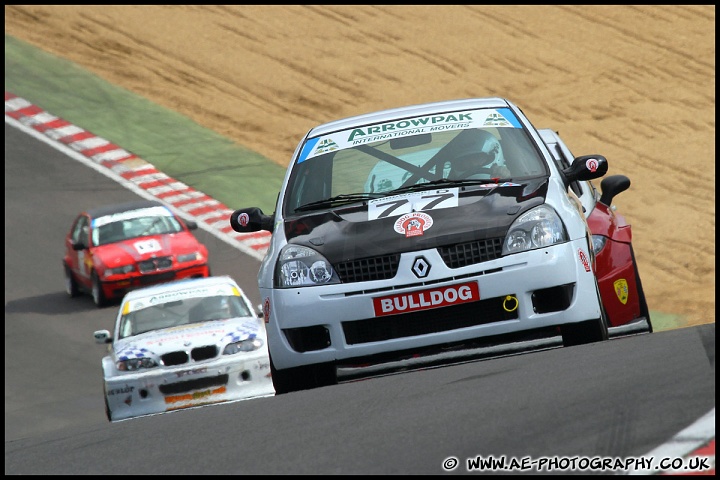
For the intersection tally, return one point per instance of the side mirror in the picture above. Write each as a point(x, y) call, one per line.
point(586, 167)
point(191, 224)
point(252, 219)
point(80, 245)
point(102, 337)
point(611, 186)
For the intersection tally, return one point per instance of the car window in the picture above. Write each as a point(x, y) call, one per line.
point(80, 230)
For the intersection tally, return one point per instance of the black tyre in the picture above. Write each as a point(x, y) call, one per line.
point(97, 292)
point(644, 311)
point(108, 414)
point(71, 285)
point(589, 331)
point(303, 378)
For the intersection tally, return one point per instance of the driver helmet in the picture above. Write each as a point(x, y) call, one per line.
point(479, 149)
point(218, 307)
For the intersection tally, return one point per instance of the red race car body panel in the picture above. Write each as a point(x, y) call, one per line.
point(614, 266)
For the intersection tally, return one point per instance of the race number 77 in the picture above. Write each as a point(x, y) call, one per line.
point(417, 201)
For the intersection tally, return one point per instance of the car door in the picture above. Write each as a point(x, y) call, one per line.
point(77, 260)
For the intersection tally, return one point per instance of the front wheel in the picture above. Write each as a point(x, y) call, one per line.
point(108, 413)
point(98, 294)
point(644, 311)
point(71, 285)
point(303, 378)
point(589, 331)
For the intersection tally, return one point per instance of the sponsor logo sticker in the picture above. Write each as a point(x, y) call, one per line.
point(266, 309)
point(591, 164)
point(426, 299)
point(243, 219)
point(194, 396)
point(584, 259)
point(621, 290)
point(413, 224)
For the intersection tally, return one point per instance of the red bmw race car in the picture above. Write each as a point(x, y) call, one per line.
point(113, 249)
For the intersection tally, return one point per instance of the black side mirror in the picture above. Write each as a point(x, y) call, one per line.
point(611, 186)
point(585, 167)
point(79, 245)
point(191, 224)
point(251, 219)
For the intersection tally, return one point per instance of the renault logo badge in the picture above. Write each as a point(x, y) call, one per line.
point(421, 267)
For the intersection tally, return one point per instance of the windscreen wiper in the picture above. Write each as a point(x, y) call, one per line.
point(443, 182)
point(343, 199)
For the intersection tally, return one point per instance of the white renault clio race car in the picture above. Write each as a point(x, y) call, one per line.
point(430, 226)
point(184, 344)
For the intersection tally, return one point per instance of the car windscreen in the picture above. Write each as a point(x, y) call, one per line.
point(357, 164)
point(181, 312)
point(135, 228)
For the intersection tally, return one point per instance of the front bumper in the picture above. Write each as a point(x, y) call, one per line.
point(118, 287)
point(164, 389)
point(527, 291)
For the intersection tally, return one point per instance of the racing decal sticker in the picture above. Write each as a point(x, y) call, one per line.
point(325, 146)
point(179, 295)
point(621, 290)
point(86, 262)
point(147, 246)
point(194, 371)
point(243, 219)
point(491, 117)
point(496, 120)
point(120, 390)
point(591, 164)
point(159, 211)
point(584, 259)
point(132, 351)
point(413, 224)
point(238, 335)
point(412, 202)
point(266, 309)
point(426, 299)
point(190, 397)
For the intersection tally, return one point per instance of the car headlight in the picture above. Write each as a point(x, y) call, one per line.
point(119, 270)
point(537, 228)
point(598, 243)
point(299, 266)
point(133, 364)
point(247, 345)
point(189, 257)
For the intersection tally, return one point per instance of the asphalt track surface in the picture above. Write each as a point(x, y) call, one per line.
point(620, 399)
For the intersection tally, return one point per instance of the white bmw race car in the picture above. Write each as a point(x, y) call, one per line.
point(184, 344)
point(435, 226)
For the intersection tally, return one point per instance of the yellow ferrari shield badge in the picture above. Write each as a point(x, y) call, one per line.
point(621, 290)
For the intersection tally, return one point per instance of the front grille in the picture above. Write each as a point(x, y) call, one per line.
point(385, 266)
point(156, 278)
point(196, 384)
point(174, 358)
point(427, 321)
point(197, 354)
point(478, 251)
point(365, 269)
point(155, 264)
point(204, 353)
